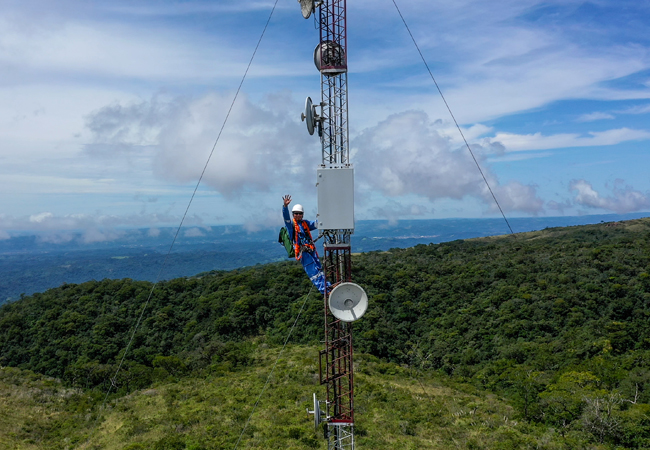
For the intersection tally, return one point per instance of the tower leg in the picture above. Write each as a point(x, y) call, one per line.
point(336, 360)
point(340, 436)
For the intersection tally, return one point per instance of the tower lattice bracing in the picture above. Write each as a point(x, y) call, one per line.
point(345, 302)
point(334, 83)
point(336, 360)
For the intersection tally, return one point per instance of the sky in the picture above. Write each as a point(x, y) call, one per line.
point(110, 110)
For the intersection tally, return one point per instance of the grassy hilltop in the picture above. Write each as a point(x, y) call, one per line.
point(539, 340)
point(396, 409)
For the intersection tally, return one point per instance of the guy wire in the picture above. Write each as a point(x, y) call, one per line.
point(250, 62)
point(276, 363)
point(454, 118)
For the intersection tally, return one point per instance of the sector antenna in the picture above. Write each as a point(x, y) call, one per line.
point(318, 413)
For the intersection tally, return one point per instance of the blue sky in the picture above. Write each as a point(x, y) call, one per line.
point(108, 110)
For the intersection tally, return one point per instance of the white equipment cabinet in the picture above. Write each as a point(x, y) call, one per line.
point(335, 198)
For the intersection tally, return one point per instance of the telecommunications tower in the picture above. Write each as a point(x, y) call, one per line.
point(346, 302)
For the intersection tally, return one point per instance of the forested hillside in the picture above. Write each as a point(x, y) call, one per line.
point(557, 321)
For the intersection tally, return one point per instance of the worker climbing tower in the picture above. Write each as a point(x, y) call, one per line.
point(346, 301)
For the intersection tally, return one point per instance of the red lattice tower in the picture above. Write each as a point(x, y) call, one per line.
point(346, 302)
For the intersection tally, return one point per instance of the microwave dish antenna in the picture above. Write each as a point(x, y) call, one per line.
point(348, 302)
point(307, 7)
point(311, 118)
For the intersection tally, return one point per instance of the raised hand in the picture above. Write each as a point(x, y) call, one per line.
point(286, 199)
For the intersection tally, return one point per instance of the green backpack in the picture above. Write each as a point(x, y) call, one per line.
point(285, 240)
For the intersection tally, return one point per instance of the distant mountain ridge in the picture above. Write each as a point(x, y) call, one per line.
point(35, 262)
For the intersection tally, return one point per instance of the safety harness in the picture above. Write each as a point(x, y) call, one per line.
point(298, 248)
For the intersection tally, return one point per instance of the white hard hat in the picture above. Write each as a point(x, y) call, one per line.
point(297, 208)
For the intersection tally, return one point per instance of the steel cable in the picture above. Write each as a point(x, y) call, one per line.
point(113, 380)
point(454, 118)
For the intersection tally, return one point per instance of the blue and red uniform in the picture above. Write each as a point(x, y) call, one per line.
point(304, 248)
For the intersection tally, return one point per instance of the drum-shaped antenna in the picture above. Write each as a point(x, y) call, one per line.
point(329, 58)
point(348, 302)
point(306, 7)
point(308, 115)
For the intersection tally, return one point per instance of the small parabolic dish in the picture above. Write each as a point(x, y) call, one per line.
point(308, 115)
point(306, 7)
point(348, 302)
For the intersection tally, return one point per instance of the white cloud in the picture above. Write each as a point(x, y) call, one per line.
point(101, 49)
point(406, 154)
point(639, 109)
point(39, 114)
point(264, 218)
point(516, 196)
point(537, 141)
point(624, 199)
point(505, 87)
point(94, 235)
point(58, 237)
point(39, 218)
point(594, 116)
point(61, 60)
point(394, 211)
point(510, 63)
point(136, 124)
point(39, 184)
point(519, 156)
point(559, 206)
point(194, 232)
point(93, 223)
point(191, 7)
point(260, 148)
